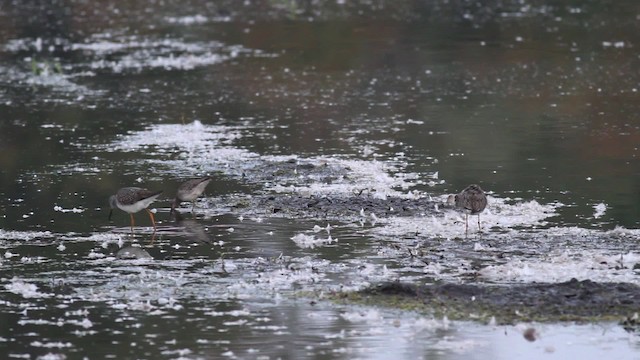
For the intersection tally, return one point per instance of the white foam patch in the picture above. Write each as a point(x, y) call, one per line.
point(211, 148)
point(112, 53)
point(375, 178)
point(576, 232)
point(281, 279)
point(187, 20)
point(310, 241)
point(103, 238)
point(600, 209)
point(24, 235)
point(72, 210)
point(367, 315)
point(169, 54)
point(560, 266)
point(25, 289)
point(190, 139)
point(140, 61)
point(500, 215)
point(57, 81)
point(458, 346)
point(51, 344)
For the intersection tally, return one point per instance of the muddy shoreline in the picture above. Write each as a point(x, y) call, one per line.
point(467, 299)
point(578, 301)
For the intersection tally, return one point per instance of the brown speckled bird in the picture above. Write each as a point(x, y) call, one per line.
point(471, 201)
point(189, 191)
point(132, 200)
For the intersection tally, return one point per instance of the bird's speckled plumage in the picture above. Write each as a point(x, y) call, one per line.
point(190, 190)
point(472, 201)
point(132, 200)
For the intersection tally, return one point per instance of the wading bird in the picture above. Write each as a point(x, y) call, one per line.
point(190, 190)
point(132, 200)
point(472, 201)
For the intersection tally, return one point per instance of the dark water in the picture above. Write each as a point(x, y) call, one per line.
point(536, 101)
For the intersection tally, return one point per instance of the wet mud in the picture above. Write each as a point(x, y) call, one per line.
point(321, 190)
point(328, 207)
point(467, 299)
point(581, 301)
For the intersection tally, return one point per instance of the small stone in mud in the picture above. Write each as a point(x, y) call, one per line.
point(631, 323)
point(530, 334)
point(133, 252)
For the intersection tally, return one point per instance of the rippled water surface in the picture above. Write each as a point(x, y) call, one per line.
point(333, 133)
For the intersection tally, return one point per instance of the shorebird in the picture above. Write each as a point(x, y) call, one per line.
point(132, 200)
point(189, 191)
point(472, 201)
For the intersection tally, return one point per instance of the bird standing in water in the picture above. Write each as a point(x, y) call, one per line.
point(190, 190)
point(472, 201)
point(132, 200)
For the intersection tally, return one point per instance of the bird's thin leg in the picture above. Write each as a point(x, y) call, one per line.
point(132, 222)
point(153, 238)
point(479, 228)
point(193, 205)
point(153, 221)
point(466, 224)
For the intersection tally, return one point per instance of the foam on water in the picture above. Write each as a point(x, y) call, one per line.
point(24, 235)
point(380, 179)
point(600, 209)
point(502, 216)
point(517, 229)
point(142, 54)
point(107, 52)
point(72, 210)
point(560, 266)
point(211, 148)
point(507, 221)
point(187, 20)
point(25, 289)
point(310, 241)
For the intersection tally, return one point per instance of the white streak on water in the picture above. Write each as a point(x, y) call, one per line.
point(25, 289)
point(211, 148)
point(560, 266)
point(600, 209)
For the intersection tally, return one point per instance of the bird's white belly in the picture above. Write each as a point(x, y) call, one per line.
point(134, 208)
point(197, 191)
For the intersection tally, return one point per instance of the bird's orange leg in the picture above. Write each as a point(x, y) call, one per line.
point(153, 221)
point(132, 222)
point(153, 238)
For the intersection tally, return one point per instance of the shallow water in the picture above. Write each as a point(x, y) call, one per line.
point(314, 121)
